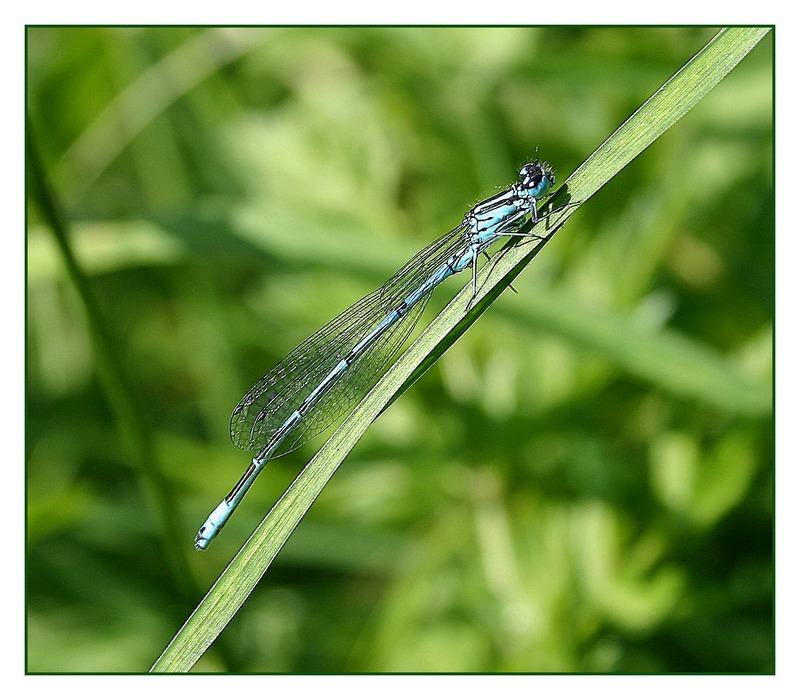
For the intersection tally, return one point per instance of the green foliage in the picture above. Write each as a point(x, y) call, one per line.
point(582, 483)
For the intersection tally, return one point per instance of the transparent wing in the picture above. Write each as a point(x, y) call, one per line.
point(278, 394)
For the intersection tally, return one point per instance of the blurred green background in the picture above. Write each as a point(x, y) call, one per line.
point(583, 483)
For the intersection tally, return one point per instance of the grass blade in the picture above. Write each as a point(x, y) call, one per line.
point(655, 116)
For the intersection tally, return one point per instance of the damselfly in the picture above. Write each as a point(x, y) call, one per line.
point(335, 368)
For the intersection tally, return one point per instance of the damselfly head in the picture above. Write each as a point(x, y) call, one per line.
point(537, 177)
